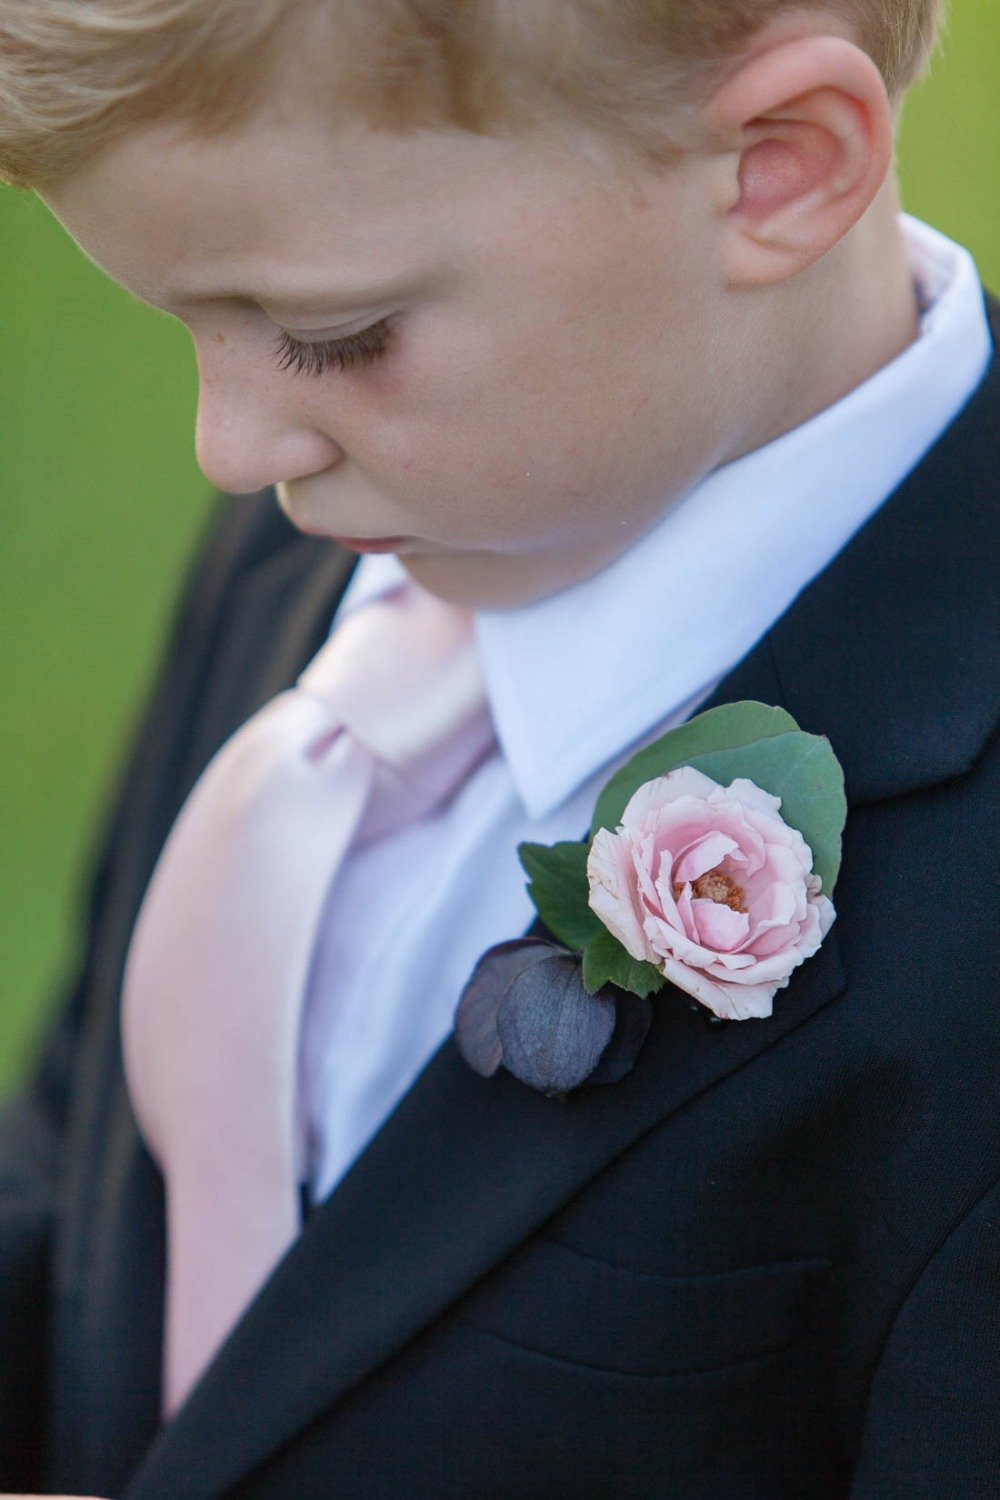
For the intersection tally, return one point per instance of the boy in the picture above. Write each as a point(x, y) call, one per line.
point(625, 354)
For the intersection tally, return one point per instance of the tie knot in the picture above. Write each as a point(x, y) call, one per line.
point(402, 674)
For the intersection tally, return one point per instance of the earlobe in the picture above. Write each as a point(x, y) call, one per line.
point(808, 127)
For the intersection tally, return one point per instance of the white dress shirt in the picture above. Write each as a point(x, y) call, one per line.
point(574, 688)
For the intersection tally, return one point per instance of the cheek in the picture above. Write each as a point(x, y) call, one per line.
point(521, 446)
point(513, 470)
point(518, 424)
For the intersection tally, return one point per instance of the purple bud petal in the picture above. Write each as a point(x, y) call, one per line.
point(476, 1016)
point(551, 1030)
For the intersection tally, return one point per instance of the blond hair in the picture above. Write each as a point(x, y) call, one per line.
point(75, 73)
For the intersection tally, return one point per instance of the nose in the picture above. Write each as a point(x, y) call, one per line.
point(247, 438)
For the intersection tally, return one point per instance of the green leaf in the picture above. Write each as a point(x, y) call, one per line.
point(558, 887)
point(803, 771)
point(729, 726)
point(605, 961)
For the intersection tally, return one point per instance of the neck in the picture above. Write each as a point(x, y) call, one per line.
point(859, 307)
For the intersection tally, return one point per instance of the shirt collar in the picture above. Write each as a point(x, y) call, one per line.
point(577, 678)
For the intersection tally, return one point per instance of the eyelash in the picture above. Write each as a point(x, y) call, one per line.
point(341, 354)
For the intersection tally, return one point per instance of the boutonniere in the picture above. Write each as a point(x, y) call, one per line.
point(709, 867)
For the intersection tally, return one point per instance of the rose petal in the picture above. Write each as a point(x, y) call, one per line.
point(686, 914)
point(827, 914)
point(780, 835)
point(653, 795)
point(752, 840)
point(780, 868)
point(644, 858)
point(733, 965)
point(687, 821)
point(707, 851)
point(667, 942)
point(749, 794)
point(665, 897)
point(771, 915)
point(718, 926)
point(774, 969)
point(610, 872)
point(730, 1002)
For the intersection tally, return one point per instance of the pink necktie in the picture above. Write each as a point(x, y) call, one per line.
point(385, 722)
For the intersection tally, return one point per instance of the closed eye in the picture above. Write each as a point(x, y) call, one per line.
point(341, 354)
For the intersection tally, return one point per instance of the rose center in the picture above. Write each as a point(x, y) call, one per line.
point(714, 886)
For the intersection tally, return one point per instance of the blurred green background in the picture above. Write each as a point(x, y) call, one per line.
point(102, 504)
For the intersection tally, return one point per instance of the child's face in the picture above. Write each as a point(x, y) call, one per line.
point(562, 357)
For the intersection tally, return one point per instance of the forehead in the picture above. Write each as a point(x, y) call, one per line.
point(179, 218)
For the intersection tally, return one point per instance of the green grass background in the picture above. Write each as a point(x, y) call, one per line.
point(101, 503)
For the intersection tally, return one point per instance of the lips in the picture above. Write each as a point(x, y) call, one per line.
point(355, 543)
point(370, 543)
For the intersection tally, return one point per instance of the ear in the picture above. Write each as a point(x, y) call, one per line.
point(807, 141)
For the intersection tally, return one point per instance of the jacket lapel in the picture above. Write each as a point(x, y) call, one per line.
point(463, 1171)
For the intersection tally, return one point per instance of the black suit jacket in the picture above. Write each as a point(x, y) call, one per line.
point(758, 1268)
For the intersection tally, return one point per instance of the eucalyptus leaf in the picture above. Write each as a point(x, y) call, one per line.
point(559, 889)
point(605, 961)
point(552, 1032)
point(803, 771)
point(730, 726)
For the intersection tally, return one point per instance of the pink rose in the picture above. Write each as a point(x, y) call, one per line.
point(710, 885)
